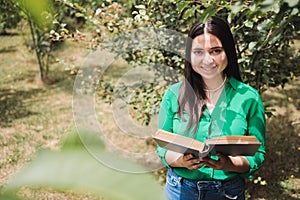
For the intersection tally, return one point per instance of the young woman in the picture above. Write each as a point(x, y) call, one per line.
point(211, 101)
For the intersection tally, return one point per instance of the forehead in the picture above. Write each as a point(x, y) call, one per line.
point(206, 40)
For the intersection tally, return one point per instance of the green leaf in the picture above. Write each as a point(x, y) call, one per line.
point(267, 2)
point(75, 169)
point(36, 8)
point(189, 13)
point(249, 24)
point(182, 5)
point(78, 14)
point(292, 3)
point(270, 5)
point(78, 7)
point(141, 6)
point(295, 11)
point(263, 26)
point(210, 11)
point(142, 12)
point(251, 46)
point(236, 7)
point(275, 36)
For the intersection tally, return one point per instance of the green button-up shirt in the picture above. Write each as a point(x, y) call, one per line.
point(238, 111)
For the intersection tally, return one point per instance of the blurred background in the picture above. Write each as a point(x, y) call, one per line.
point(44, 46)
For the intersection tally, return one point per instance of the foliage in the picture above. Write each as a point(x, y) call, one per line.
point(38, 15)
point(9, 15)
point(266, 55)
point(39, 117)
point(153, 101)
point(50, 23)
point(73, 168)
point(264, 32)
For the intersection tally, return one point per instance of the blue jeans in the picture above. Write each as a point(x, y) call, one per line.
point(179, 188)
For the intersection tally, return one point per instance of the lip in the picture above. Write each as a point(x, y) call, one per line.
point(209, 68)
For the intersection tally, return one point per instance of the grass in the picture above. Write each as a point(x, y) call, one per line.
point(35, 116)
point(280, 171)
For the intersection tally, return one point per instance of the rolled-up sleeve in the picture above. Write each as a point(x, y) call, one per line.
point(257, 128)
point(165, 122)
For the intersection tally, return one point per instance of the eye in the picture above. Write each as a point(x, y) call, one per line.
point(198, 52)
point(216, 51)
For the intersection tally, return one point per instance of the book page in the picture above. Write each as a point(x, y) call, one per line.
point(233, 140)
point(179, 143)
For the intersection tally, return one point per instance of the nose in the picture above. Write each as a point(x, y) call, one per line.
point(207, 59)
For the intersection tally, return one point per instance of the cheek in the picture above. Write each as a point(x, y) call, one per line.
point(223, 62)
point(195, 60)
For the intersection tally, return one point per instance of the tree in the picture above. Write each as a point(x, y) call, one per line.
point(264, 32)
point(46, 20)
point(9, 15)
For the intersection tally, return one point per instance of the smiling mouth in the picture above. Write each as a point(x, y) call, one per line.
point(209, 68)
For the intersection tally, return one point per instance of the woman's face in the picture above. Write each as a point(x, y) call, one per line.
point(208, 57)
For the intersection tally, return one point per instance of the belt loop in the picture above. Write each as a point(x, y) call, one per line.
point(180, 180)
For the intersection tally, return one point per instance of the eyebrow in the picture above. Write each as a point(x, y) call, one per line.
point(217, 47)
point(197, 48)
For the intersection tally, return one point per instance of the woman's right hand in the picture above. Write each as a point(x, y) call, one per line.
point(188, 161)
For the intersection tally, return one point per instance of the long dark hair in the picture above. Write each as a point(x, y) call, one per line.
point(192, 96)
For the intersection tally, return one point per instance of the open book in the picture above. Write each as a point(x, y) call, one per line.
point(227, 145)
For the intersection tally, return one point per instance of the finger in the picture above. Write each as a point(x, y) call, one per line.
point(200, 165)
point(223, 160)
point(196, 160)
point(196, 166)
point(191, 162)
point(193, 167)
point(205, 159)
point(212, 163)
point(221, 156)
point(188, 157)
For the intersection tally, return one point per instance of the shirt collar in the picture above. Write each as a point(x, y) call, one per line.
point(233, 82)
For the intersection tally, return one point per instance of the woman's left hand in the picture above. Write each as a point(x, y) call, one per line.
point(223, 163)
point(231, 163)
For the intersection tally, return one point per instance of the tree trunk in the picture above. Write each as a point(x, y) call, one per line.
point(35, 45)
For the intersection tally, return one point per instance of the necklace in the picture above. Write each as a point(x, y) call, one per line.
point(219, 87)
point(213, 95)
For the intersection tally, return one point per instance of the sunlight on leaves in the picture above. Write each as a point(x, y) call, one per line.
point(36, 8)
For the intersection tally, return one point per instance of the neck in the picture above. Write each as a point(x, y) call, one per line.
point(215, 84)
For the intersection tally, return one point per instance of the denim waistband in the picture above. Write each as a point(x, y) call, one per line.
point(213, 182)
point(178, 187)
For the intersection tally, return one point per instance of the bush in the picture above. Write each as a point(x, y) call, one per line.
point(9, 15)
point(264, 32)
